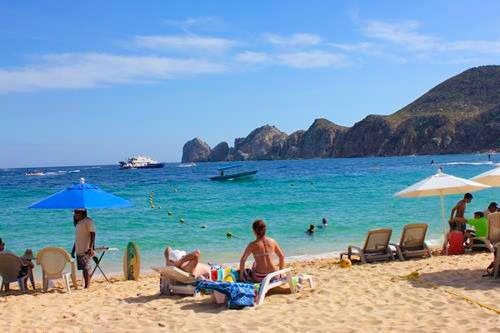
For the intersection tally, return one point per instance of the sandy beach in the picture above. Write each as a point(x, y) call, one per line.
point(364, 298)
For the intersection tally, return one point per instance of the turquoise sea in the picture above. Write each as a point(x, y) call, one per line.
point(354, 194)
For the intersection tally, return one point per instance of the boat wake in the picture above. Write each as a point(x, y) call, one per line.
point(467, 163)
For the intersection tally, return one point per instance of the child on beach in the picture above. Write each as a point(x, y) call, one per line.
point(454, 242)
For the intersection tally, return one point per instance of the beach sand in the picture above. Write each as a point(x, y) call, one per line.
point(365, 298)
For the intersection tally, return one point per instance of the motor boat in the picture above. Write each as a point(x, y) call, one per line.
point(140, 162)
point(223, 175)
point(34, 173)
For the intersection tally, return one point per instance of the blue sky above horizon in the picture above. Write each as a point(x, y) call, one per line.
point(95, 82)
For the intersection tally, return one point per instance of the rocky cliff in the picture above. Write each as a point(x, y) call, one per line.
point(460, 115)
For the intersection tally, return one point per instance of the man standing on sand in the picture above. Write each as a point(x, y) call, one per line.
point(84, 243)
point(458, 212)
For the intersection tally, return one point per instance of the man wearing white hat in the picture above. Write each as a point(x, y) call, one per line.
point(84, 243)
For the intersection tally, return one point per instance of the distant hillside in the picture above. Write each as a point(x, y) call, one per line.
point(460, 115)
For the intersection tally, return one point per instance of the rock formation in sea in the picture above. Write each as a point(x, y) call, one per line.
point(460, 115)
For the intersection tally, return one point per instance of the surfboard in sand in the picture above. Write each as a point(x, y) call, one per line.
point(132, 262)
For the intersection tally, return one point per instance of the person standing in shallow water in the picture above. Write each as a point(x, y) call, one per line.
point(84, 243)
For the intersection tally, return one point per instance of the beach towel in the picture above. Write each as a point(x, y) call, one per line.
point(239, 295)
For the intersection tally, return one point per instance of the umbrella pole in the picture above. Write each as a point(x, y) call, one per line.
point(443, 220)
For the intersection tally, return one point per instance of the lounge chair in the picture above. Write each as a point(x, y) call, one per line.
point(53, 261)
point(175, 281)
point(10, 266)
point(496, 263)
point(493, 234)
point(412, 243)
point(376, 247)
point(274, 280)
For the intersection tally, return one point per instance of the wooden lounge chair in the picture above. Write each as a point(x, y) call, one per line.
point(10, 266)
point(53, 261)
point(496, 263)
point(493, 234)
point(412, 243)
point(376, 247)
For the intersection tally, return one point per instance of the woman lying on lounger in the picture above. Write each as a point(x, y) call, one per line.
point(188, 262)
point(262, 249)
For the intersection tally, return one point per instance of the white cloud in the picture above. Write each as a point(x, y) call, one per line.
point(312, 59)
point(190, 22)
point(406, 34)
point(401, 33)
point(86, 70)
point(299, 39)
point(184, 42)
point(253, 57)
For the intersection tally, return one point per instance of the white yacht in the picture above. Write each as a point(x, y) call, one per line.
point(140, 162)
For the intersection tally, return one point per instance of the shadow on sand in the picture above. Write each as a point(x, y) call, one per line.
point(467, 279)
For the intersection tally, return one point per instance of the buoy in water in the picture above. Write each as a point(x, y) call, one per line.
point(203, 226)
point(182, 221)
point(229, 235)
point(169, 213)
point(345, 263)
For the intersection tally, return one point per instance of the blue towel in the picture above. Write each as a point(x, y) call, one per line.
point(239, 295)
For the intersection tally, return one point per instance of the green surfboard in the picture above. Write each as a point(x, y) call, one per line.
point(132, 262)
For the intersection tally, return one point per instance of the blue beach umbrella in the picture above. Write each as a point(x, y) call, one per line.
point(81, 196)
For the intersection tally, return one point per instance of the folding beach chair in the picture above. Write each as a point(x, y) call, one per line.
point(376, 247)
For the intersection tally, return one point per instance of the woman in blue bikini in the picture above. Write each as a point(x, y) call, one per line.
point(262, 249)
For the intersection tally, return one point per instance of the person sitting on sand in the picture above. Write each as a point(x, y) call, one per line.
point(188, 262)
point(454, 242)
point(492, 208)
point(458, 212)
point(262, 249)
point(310, 231)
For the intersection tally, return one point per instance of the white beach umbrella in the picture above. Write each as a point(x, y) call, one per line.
point(491, 177)
point(440, 185)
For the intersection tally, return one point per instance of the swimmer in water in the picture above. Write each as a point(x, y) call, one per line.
point(324, 223)
point(310, 231)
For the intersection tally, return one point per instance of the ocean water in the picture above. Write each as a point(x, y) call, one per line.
point(355, 195)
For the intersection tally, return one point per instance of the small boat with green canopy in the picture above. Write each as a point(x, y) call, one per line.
point(223, 175)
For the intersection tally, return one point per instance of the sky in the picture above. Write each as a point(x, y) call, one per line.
point(94, 82)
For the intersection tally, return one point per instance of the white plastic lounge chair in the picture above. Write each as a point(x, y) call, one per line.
point(10, 266)
point(174, 281)
point(412, 243)
point(274, 280)
point(493, 234)
point(53, 261)
point(376, 247)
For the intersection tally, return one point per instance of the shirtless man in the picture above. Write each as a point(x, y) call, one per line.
point(458, 212)
point(188, 262)
point(262, 248)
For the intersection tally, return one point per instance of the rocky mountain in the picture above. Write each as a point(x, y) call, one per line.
point(460, 115)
